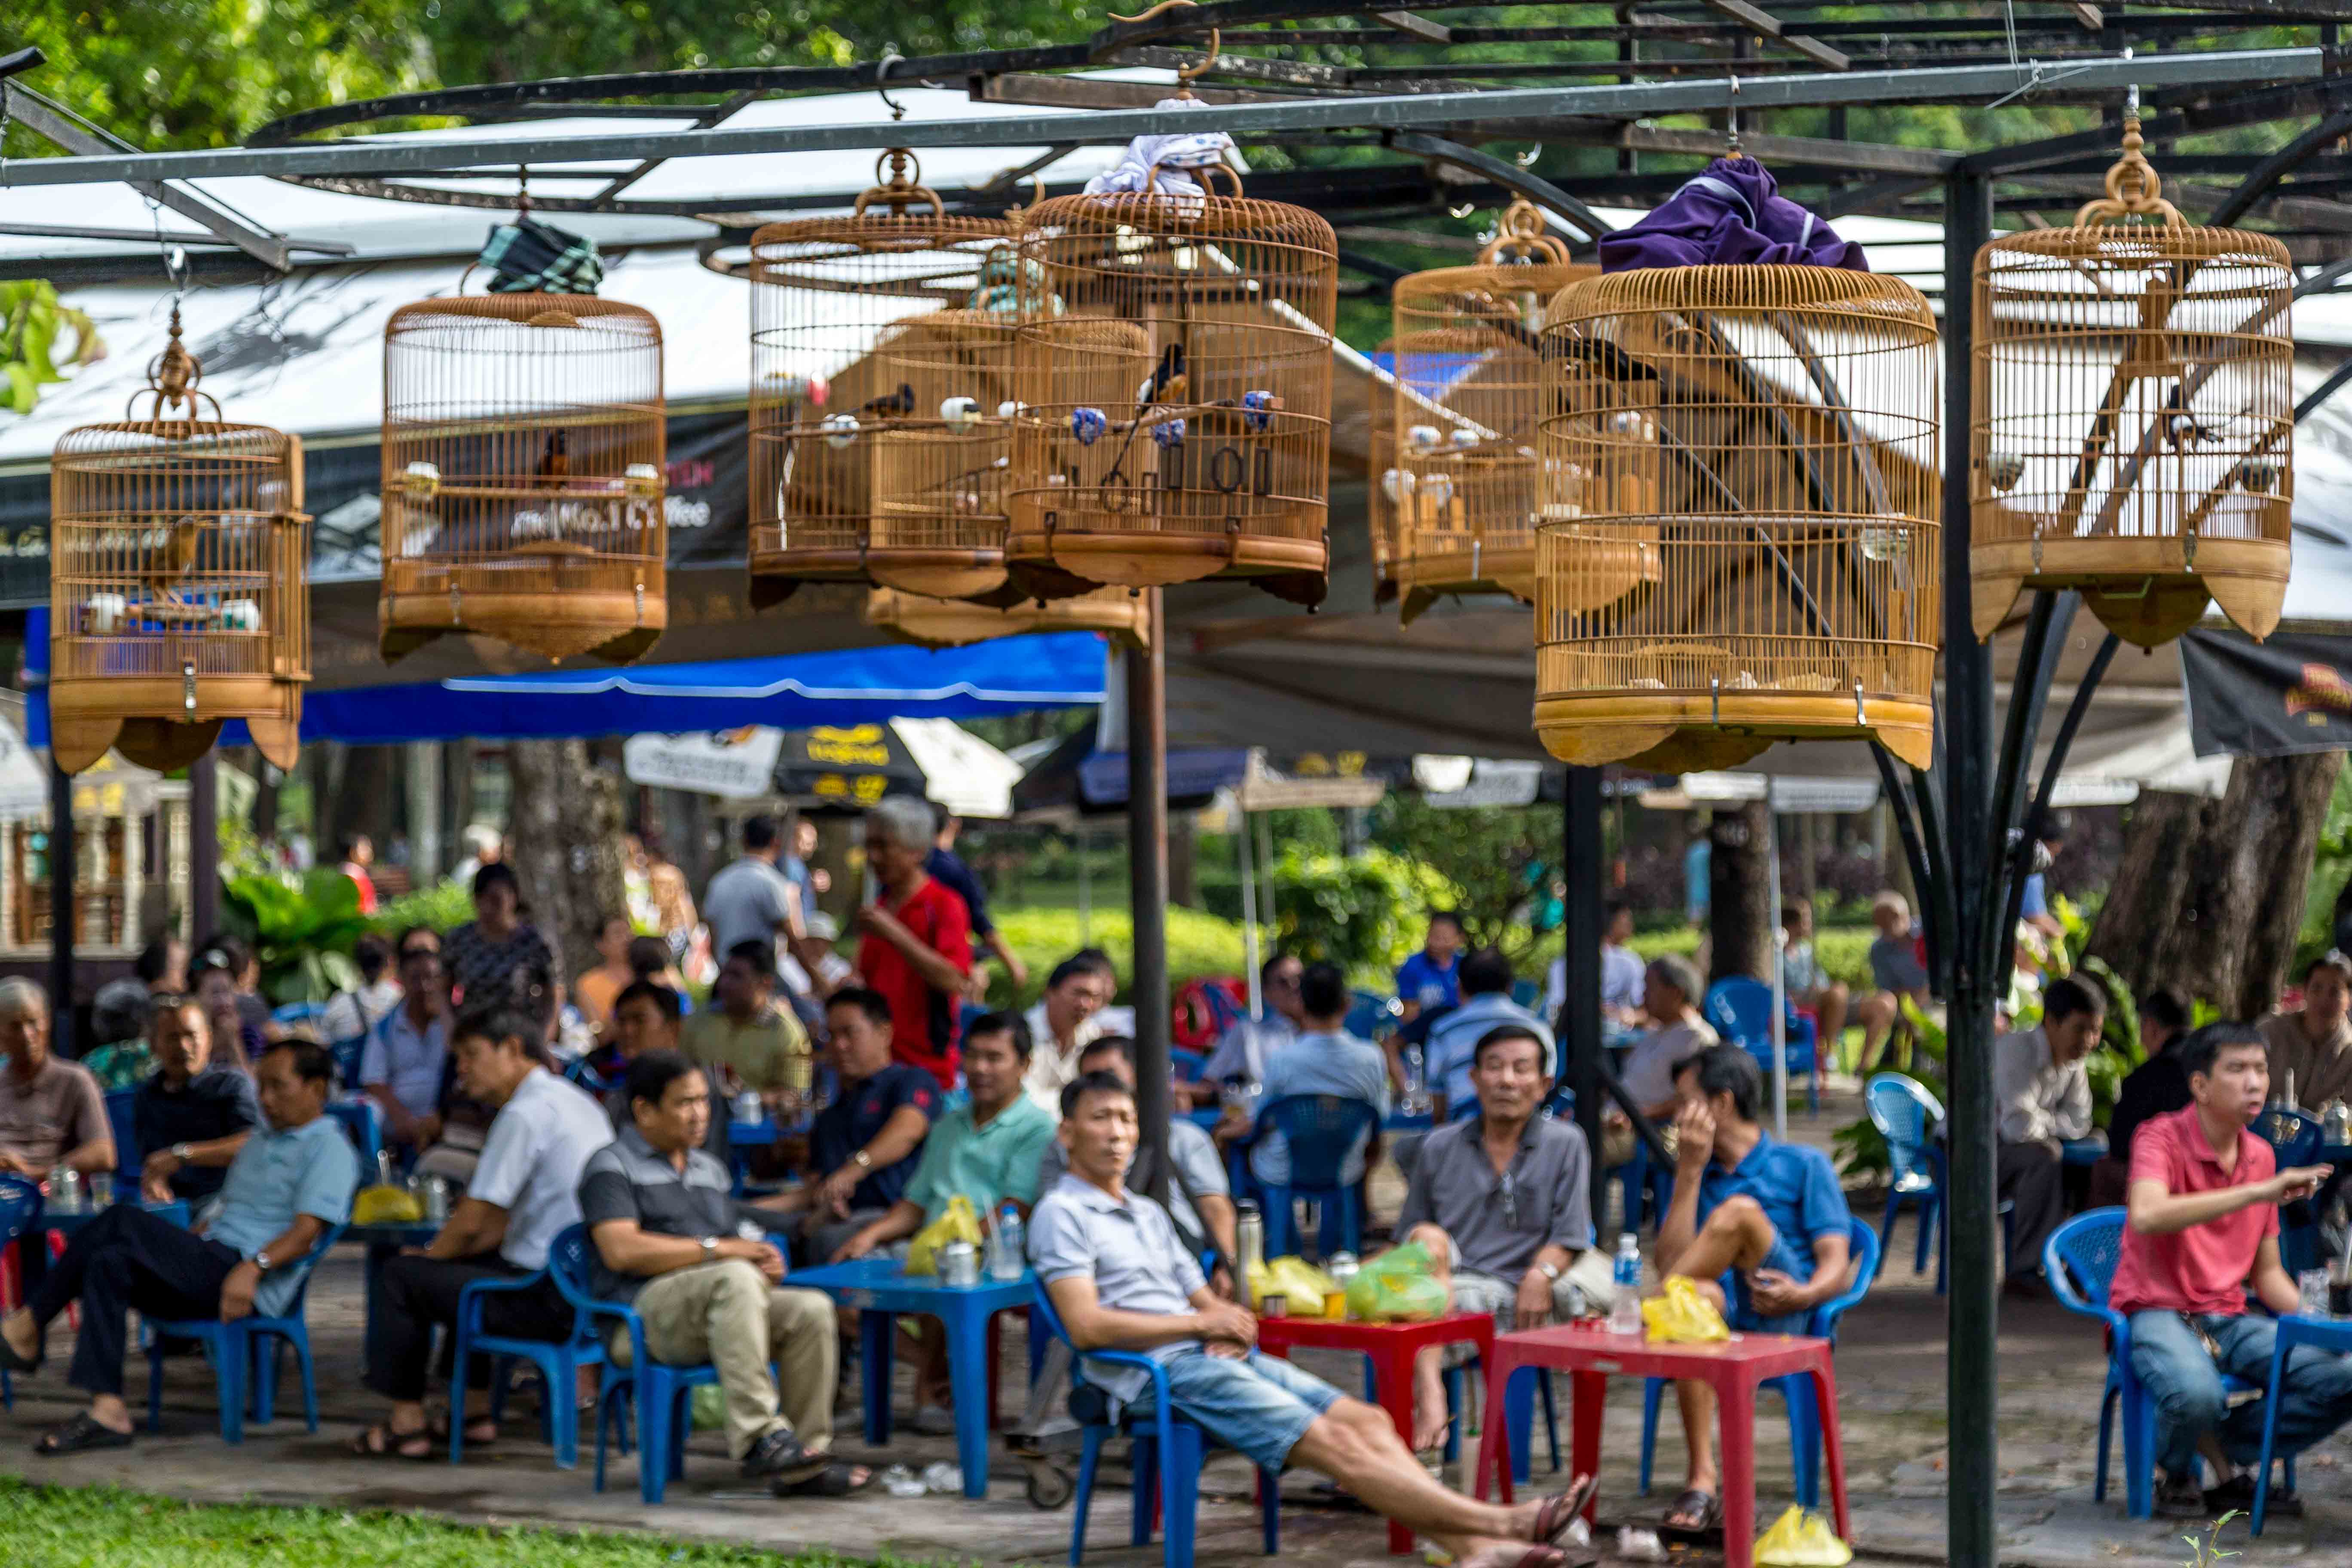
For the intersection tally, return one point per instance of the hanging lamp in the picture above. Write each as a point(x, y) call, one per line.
point(954, 623)
point(1749, 554)
point(881, 389)
point(2134, 435)
point(1175, 419)
point(1467, 481)
point(523, 466)
point(179, 590)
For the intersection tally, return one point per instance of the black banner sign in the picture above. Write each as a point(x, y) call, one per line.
point(2276, 698)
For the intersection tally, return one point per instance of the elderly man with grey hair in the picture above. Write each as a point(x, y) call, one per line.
point(1671, 990)
point(917, 949)
point(52, 1114)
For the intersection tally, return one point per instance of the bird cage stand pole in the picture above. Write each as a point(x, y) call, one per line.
point(204, 851)
point(1582, 921)
point(62, 901)
point(1147, 849)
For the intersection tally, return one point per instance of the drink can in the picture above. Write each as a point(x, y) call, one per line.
point(437, 1199)
point(1274, 1304)
point(958, 1265)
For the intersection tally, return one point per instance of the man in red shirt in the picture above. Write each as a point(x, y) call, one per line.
point(918, 945)
point(2203, 1231)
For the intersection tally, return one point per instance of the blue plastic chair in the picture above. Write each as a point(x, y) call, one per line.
point(1797, 1391)
point(1741, 1011)
point(2295, 1136)
point(1167, 1451)
point(2079, 1261)
point(558, 1362)
point(20, 1216)
point(347, 1055)
point(1188, 1064)
point(578, 1071)
point(121, 1121)
point(364, 1123)
point(1372, 1016)
point(1644, 1188)
point(1906, 1115)
point(245, 1354)
point(1321, 1131)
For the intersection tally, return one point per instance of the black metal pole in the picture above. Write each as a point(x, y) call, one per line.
point(1578, 1027)
point(204, 850)
point(61, 911)
point(1147, 856)
point(1971, 867)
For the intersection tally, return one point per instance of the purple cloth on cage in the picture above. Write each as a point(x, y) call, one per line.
point(1732, 213)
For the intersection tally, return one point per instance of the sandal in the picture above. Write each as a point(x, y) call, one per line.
point(831, 1478)
point(1698, 1504)
point(2178, 1496)
point(1560, 1511)
point(11, 1362)
point(381, 1442)
point(437, 1430)
point(1529, 1556)
point(2238, 1492)
point(78, 1435)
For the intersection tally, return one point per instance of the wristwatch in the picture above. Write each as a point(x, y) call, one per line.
point(261, 1260)
point(1549, 1270)
point(182, 1151)
point(709, 1246)
point(862, 1160)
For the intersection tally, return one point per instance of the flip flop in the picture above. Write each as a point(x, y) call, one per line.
point(1705, 1506)
point(381, 1442)
point(11, 1362)
point(832, 1480)
point(437, 1430)
point(1529, 1556)
point(1560, 1511)
point(78, 1435)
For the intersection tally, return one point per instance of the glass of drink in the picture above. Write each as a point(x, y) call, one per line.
point(2311, 1285)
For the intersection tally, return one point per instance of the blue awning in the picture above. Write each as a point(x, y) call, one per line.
point(795, 692)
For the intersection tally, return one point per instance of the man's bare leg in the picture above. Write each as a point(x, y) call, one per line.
point(1736, 1236)
point(1428, 1417)
point(1357, 1445)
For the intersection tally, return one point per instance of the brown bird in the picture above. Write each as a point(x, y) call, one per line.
point(555, 463)
point(180, 548)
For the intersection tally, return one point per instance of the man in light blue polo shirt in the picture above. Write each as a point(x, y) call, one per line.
point(1487, 1006)
point(1110, 1264)
point(1323, 1060)
point(286, 1186)
point(1761, 1227)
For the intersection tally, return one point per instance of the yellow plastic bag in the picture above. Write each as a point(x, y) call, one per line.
point(1303, 1286)
point(1396, 1288)
point(1682, 1316)
point(1801, 1539)
point(957, 1222)
point(386, 1206)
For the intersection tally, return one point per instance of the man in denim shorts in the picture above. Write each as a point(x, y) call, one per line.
point(1117, 1277)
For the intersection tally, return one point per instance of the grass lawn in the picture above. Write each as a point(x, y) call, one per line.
point(60, 1527)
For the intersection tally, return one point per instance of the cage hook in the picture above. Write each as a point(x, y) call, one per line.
point(1731, 123)
point(522, 191)
point(881, 75)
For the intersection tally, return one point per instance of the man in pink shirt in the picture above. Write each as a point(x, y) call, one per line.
point(2203, 1231)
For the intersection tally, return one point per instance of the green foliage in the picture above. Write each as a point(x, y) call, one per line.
point(1361, 911)
point(1499, 861)
point(2204, 1552)
point(443, 905)
point(34, 337)
point(302, 934)
point(2331, 868)
point(80, 1527)
point(1198, 945)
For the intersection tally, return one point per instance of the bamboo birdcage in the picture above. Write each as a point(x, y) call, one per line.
point(881, 380)
point(523, 478)
point(1175, 419)
point(1752, 556)
point(956, 623)
point(1467, 402)
point(179, 581)
point(2134, 435)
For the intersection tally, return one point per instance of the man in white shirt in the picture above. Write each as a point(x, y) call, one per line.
point(355, 1012)
point(1074, 1013)
point(1671, 990)
point(2043, 1094)
point(525, 1190)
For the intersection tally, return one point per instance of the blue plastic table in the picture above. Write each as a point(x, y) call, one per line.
point(66, 1222)
point(2323, 1334)
point(879, 1289)
point(2086, 1151)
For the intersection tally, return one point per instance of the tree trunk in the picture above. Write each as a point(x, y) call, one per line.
point(564, 839)
point(1739, 893)
point(1183, 876)
point(2209, 895)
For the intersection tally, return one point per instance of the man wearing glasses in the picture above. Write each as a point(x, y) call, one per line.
point(1502, 1201)
point(1242, 1051)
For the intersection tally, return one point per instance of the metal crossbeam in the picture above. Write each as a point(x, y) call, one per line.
point(1629, 99)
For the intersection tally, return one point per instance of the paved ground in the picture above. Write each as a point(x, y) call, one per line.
point(1891, 1371)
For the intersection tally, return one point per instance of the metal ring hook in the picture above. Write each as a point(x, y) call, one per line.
point(522, 191)
point(1731, 123)
point(881, 75)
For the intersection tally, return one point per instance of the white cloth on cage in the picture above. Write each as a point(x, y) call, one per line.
point(1172, 154)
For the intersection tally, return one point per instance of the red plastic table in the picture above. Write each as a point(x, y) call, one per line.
point(1733, 1367)
point(1391, 1347)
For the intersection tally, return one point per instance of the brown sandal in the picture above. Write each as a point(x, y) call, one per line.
point(381, 1442)
point(1560, 1510)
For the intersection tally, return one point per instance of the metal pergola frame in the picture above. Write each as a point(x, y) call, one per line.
point(1416, 89)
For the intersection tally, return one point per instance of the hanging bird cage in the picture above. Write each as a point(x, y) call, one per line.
point(954, 623)
point(881, 389)
point(1468, 483)
point(178, 586)
point(1175, 419)
point(1740, 547)
point(2135, 416)
point(524, 480)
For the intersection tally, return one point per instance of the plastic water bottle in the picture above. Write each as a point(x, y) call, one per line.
point(1625, 1299)
point(1011, 1253)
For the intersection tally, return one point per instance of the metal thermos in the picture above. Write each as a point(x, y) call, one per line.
point(437, 1199)
point(958, 1265)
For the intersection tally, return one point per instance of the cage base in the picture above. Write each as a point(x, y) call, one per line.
point(1293, 570)
point(1688, 732)
point(145, 718)
point(2146, 590)
point(937, 574)
point(609, 626)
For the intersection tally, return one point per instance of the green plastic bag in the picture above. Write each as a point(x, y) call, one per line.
point(1396, 1288)
point(706, 1408)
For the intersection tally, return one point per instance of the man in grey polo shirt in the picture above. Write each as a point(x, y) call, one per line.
point(1110, 1261)
point(672, 1241)
point(1503, 1203)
